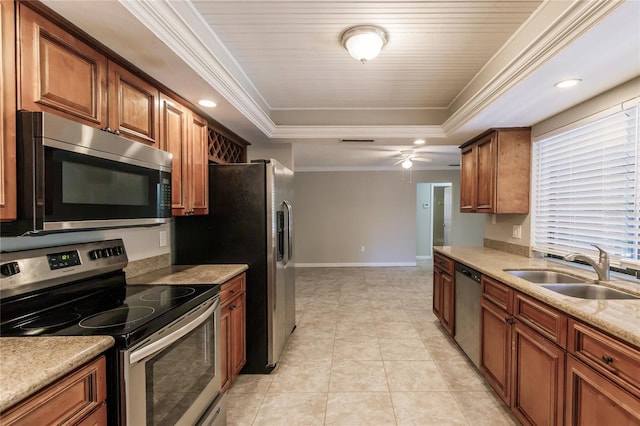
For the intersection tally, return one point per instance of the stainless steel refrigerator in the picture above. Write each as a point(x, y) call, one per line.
point(250, 221)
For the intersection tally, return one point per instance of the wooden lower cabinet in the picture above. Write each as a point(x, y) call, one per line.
point(444, 292)
point(537, 378)
point(495, 348)
point(77, 399)
point(522, 365)
point(591, 399)
point(233, 329)
point(437, 292)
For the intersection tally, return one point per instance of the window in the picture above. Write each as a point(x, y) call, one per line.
point(586, 189)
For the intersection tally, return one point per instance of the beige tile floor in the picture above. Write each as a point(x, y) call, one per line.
point(367, 351)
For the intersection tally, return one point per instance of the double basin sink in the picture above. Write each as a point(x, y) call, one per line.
point(570, 285)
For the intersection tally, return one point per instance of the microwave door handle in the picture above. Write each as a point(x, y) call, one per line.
point(166, 341)
point(289, 233)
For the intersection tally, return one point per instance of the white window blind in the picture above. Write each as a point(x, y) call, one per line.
point(586, 189)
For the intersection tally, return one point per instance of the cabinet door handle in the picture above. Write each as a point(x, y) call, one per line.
point(607, 359)
point(232, 307)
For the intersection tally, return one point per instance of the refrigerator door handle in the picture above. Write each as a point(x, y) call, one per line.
point(289, 233)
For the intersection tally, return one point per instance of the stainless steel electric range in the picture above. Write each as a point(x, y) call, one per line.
point(165, 366)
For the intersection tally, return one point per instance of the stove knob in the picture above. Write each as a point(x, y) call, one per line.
point(105, 253)
point(9, 269)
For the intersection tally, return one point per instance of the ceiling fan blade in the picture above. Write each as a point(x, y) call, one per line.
point(424, 160)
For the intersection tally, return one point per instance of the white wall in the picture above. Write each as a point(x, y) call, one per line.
point(503, 228)
point(283, 152)
point(140, 243)
point(423, 220)
point(336, 213)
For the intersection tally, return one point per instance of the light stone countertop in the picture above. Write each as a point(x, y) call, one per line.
point(189, 274)
point(619, 318)
point(28, 364)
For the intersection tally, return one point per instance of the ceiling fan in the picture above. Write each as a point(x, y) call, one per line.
point(407, 158)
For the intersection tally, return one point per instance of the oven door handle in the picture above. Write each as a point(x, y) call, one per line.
point(166, 341)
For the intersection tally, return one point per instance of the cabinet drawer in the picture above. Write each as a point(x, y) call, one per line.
point(444, 263)
point(232, 288)
point(66, 401)
point(500, 294)
point(616, 360)
point(545, 320)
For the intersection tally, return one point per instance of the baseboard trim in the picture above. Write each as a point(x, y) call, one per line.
point(352, 265)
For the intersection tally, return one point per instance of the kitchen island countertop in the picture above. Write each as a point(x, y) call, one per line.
point(28, 364)
point(190, 274)
point(620, 318)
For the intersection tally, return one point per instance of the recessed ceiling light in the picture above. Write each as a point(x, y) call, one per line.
point(207, 103)
point(419, 142)
point(568, 83)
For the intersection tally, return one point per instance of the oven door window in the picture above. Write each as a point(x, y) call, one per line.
point(83, 187)
point(178, 375)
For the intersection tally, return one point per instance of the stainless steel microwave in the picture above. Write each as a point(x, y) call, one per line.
point(76, 177)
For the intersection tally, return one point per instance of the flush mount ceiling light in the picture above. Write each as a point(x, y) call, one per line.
point(207, 103)
point(567, 83)
point(364, 42)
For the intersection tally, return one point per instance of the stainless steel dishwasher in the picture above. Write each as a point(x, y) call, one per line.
point(467, 311)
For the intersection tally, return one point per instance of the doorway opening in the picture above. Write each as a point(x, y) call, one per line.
point(433, 216)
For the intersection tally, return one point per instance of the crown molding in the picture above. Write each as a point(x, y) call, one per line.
point(181, 28)
point(575, 20)
point(414, 169)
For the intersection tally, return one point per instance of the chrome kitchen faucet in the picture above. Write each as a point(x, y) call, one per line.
point(601, 267)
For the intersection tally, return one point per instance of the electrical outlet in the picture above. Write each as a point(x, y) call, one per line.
point(163, 238)
point(517, 231)
point(362, 249)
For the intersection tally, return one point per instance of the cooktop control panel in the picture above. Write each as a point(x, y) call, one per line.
point(27, 270)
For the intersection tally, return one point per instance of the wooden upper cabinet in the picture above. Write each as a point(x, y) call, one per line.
point(133, 106)
point(486, 174)
point(173, 139)
point(468, 179)
point(59, 73)
point(199, 143)
point(7, 111)
point(495, 172)
point(185, 135)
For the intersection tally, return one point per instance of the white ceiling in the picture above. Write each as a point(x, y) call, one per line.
point(451, 69)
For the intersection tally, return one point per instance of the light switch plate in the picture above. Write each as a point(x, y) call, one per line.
point(163, 238)
point(517, 231)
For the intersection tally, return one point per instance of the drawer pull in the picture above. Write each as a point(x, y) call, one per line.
point(232, 307)
point(607, 359)
point(232, 291)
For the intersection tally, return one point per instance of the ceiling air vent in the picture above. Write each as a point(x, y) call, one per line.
point(357, 140)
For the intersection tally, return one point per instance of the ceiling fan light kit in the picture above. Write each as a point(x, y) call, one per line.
point(364, 42)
